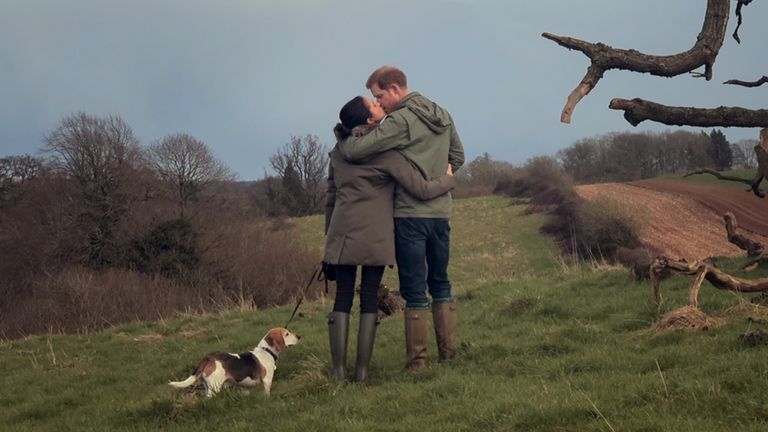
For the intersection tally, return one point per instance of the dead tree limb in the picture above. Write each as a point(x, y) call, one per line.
point(754, 184)
point(744, 243)
point(761, 151)
point(702, 271)
point(757, 83)
point(738, 14)
point(753, 248)
point(604, 57)
point(637, 111)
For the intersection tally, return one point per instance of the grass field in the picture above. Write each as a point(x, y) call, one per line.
point(546, 345)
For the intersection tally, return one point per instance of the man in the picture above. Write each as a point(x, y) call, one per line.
point(423, 132)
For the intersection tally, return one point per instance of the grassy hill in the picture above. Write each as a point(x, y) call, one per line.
point(546, 345)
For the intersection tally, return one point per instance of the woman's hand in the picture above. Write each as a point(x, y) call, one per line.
point(449, 171)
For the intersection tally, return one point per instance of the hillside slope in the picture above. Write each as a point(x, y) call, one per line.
point(684, 220)
point(545, 345)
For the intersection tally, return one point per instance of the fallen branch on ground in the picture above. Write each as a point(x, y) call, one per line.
point(701, 270)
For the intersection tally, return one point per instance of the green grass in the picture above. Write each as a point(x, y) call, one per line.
point(545, 346)
point(711, 180)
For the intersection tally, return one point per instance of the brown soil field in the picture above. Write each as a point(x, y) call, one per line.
point(684, 220)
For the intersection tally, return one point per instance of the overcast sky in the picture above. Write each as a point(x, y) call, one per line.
point(245, 75)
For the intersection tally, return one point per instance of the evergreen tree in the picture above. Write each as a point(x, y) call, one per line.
point(720, 150)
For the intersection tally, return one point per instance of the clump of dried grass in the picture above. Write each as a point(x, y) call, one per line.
point(745, 309)
point(150, 337)
point(516, 306)
point(312, 377)
point(687, 318)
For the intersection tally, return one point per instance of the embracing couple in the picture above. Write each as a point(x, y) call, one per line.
point(388, 201)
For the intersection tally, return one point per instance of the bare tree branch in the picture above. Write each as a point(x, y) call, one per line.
point(740, 3)
point(639, 110)
point(753, 187)
point(744, 243)
point(757, 83)
point(605, 58)
point(761, 155)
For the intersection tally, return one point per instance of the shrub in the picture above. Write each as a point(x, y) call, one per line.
point(589, 229)
point(170, 249)
point(540, 179)
point(602, 226)
point(259, 263)
point(480, 176)
point(80, 299)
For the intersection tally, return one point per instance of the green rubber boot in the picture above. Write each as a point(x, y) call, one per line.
point(338, 332)
point(365, 339)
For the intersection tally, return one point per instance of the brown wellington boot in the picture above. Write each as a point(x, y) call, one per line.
point(445, 319)
point(415, 338)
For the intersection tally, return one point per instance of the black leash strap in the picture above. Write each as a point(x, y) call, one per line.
point(317, 274)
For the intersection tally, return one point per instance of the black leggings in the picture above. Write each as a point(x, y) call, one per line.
point(345, 288)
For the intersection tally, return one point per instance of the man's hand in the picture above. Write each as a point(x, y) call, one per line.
point(449, 171)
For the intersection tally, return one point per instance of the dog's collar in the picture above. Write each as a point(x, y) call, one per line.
point(271, 352)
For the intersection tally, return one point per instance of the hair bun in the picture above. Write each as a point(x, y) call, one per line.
point(341, 131)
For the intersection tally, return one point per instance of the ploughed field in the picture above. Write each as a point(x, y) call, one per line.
point(684, 219)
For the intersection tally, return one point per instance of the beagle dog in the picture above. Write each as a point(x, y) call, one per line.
point(247, 369)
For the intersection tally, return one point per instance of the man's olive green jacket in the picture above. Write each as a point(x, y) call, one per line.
point(425, 134)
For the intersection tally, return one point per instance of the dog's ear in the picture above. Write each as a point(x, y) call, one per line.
point(280, 340)
point(275, 339)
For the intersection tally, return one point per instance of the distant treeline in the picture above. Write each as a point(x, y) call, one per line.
point(625, 156)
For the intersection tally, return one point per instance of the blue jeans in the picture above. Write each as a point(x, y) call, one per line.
point(422, 249)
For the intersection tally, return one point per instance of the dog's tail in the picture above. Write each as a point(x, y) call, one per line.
point(184, 384)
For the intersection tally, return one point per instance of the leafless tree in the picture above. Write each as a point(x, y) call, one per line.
point(308, 159)
point(17, 170)
point(101, 154)
point(747, 150)
point(187, 166)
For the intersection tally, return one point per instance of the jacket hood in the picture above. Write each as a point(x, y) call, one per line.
point(437, 119)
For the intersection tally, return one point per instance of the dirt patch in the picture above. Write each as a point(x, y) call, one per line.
point(749, 210)
point(148, 338)
point(682, 220)
point(193, 333)
point(145, 338)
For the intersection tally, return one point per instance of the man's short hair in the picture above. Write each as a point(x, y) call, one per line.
point(385, 76)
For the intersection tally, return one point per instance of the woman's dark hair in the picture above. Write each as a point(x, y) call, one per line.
point(353, 113)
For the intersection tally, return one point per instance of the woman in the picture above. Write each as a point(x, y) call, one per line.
point(359, 225)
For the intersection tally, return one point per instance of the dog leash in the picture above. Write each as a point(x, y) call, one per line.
point(316, 275)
